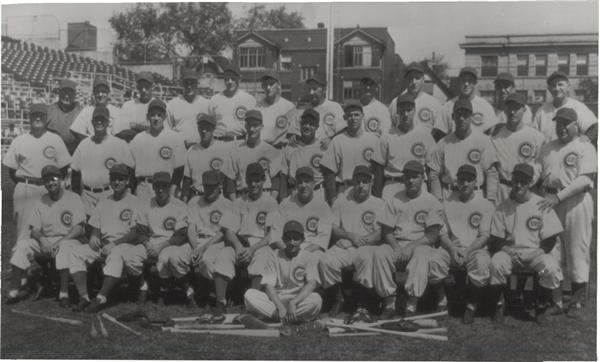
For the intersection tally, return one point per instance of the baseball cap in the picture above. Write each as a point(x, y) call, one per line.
point(368, 80)
point(306, 171)
point(524, 169)
point(558, 74)
point(98, 81)
point(318, 78)
point(147, 76)
point(567, 114)
point(468, 70)
point(310, 113)
point(189, 73)
point(293, 226)
point(67, 83)
point(232, 69)
point(203, 117)
point(50, 170)
point(211, 177)
point(405, 98)
point(516, 98)
point(505, 76)
point(255, 170)
point(269, 74)
point(101, 111)
point(157, 103)
point(462, 104)
point(119, 169)
point(362, 170)
point(38, 108)
point(161, 177)
point(352, 105)
point(413, 67)
point(413, 165)
point(467, 170)
point(253, 114)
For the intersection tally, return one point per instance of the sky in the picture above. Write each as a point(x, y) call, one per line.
point(418, 28)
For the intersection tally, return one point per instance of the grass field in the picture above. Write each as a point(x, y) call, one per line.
point(32, 338)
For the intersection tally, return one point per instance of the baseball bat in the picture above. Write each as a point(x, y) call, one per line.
point(385, 331)
point(235, 332)
point(93, 331)
point(334, 331)
point(353, 334)
point(56, 319)
point(426, 323)
point(103, 330)
point(110, 318)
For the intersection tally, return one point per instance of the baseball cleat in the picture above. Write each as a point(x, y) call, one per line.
point(94, 306)
point(388, 313)
point(21, 294)
point(543, 315)
point(469, 316)
point(80, 307)
point(575, 311)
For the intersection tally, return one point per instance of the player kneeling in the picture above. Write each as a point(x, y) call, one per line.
point(289, 281)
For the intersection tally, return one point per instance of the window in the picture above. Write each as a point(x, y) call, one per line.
point(582, 64)
point(489, 66)
point(358, 56)
point(563, 63)
point(252, 57)
point(307, 72)
point(541, 65)
point(540, 96)
point(522, 65)
point(351, 89)
point(285, 60)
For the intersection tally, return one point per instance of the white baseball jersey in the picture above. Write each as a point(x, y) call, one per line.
point(164, 220)
point(377, 118)
point(199, 160)
point(275, 121)
point(512, 148)
point(428, 110)
point(94, 160)
point(28, 155)
point(465, 221)
point(56, 218)
point(527, 118)
point(164, 152)
point(83, 123)
point(114, 218)
point(242, 155)
point(484, 116)
point(410, 217)
point(451, 152)
point(204, 219)
point(543, 119)
point(182, 116)
point(134, 112)
point(303, 155)
point(562, 163)
point(331, 119)
point(398, 148)
point(361, 218)
point(230, 112)
point(294, 117)
point(252, 218)
point(345, 153)
point(315, 216)
point(524, 224)
point(288, 276)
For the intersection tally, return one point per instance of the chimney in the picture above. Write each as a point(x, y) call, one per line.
point(320, 25)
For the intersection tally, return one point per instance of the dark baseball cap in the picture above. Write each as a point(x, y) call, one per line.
point(558, 74)
point(161, 177)
point(233, 70)
point(318, 78)
point(253, 114)
point(98, 81)
point(119, 169)
point(38, 108)
point(189, 73)
point(255, 170)
point(468, 70)
point(516, 98)
point(362, 170)
point(208, 118)
point(269, 74)
point(147, 76)
point(405, 98)
point(212, 177)
point(462, 104)
point(505, 76)
point(413, 67)
point(67, 83)
point(305, 171)
point(568, 114)
point(352, 105)
point(524, 169)
point(51, 170)
point(101, 111)
point(467, 170)
point(157, 103)
point(413, 165)
point(293, 226)
point(310, 113)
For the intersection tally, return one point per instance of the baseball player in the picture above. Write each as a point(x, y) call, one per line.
point(504, 85)
point(349, 149)
point(254, 149)
point(229, 108)
point(405, 142)
point(62, 114)
point(25, 158)
point(274, 109)
point(56, 222)
point(208, 154)
point(111, 221)
point(411, 225)
point(560, 88)
point(289, 281)
point(356, 232)
point(134, 111)
point(569, 165)
point(306, 152)
point(184, 109)
point(428, 109)
point(294, 117)
point(82, 125)
point(484, 117)
point(514, 142)
point(468, 220)
point(157, 149)
point(523, 236)
point(93, 159)
point(466, 145)
point(377, 118)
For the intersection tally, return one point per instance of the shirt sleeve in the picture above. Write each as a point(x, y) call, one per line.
point(231, 218)
point(63, 158)
point(80, 123)
point(340, 122)
point(585, 118)
point(11, 158)
point(336, 211)
point(489, 156)
point(330, 157)
point(498, 228)
point(78, 210)
point(95, 220)
point(446, 118)
point(35, 217)
point(389, 216)
point(377, 156)
point(179, 151)
point(435, 216)
point(76, 160)
point(589, 160)
point(437, 158)
point(182, 217)
point(312, 270)
point(270, 272)
point(551, 225)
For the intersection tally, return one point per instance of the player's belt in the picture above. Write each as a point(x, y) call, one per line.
point(96, 189)
point(31, 180)
point(230, 138)
point(147, 179)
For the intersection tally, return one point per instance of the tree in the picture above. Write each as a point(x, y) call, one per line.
point(258, 17)
point(439, 67)
point(160, 31)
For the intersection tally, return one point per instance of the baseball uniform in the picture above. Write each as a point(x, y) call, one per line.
point(60, 123)
point(133, 112)
point(543, 120)
point(527, 118)
point(230, 113)
point(275, 121)
point(428, 110)
point(484, 116)
point(199, 160)
point(83, 123)
point(242, 155)
point(182, 116)
point(331, 120)
point(377, 118)
point(303, 155)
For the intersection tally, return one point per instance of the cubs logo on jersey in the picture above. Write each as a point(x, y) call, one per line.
point(526, 150)
point(49, 152)
point(418, 149)
point(125, 215)
point(475, 220)
point(215, 217)
point(239, 113)
point(66, 218)
point(425, 114)
point(109, 162)
point(474, 155)
point(373, 125)
point(571, 159)
point(367, 154)
point(477, 119)
point(299, 274)
point(534, 223)
point(312, 224)
point(315, 160)
point(281, 122)
point(169, 223)
point(261, 218)
point(165, 152)
point(216, 163)
point(329, 119)
point(421, 217)
point(368, 217)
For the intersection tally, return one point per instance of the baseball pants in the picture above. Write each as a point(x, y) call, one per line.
point(23, 198)
point(226, 261)
point(426, 265)
point(26, 250)
point(174, 261)
point(206, 265)
point(478, 267)
point(258, 302)
point(90, 199)
point(83, 255)
point(133, 259)
point(335, 259)
point(546, 265)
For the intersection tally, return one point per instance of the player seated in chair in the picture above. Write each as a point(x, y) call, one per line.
point(56, 222)
point(289, 281)
point(523, 236)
